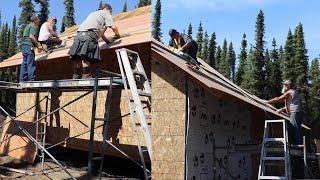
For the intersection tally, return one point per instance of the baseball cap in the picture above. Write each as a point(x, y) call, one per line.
point(286, 82)
point(104, 5)
point(33, 18)
point(172, 32)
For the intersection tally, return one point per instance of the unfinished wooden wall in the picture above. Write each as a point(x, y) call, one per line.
point(61, 68)
point(75, 119)
point(215, 125)
point(168, 122)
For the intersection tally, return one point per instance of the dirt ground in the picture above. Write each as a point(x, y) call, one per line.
point(76, 163)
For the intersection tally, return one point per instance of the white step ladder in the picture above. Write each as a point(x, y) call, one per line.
point(135, 80)
point(286, 150)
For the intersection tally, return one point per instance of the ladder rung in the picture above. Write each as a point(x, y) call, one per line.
point(274, 140)
point(141, 93)
point(97, 158)
point(271, 177)
point(139, 73)
point(144, 149)
point(274, 121)
point(100, 119)
point(274, 158)
point(297, 146)
point(139, 124)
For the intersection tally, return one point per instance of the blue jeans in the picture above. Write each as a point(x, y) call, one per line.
point(28, 65)
point(295, 121)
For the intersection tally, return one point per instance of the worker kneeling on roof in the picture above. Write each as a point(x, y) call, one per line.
point(183, 43)
point(85, 48)
point(291, 98)
point(48, 36)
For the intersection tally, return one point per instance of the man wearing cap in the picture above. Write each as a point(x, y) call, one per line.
point(85, 48)
point(47, 34)
point(291, 99)
point(183, 43)
point(28, 44)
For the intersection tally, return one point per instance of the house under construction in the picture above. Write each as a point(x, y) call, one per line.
point(200, 122)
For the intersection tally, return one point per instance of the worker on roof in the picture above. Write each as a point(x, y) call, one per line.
point(291, 99)
point(183, 43)
point(85, 48)
point(28, 44)
point(47, 35)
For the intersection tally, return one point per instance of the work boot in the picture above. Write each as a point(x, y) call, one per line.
point(86, 73)
point(76, 73)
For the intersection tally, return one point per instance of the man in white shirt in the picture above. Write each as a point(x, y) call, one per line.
point(291, 99)
point(47, 35)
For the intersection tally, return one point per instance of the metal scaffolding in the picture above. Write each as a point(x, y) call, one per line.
point(113, 81)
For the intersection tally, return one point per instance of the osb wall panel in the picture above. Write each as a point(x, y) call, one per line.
point(215, 125)
point(62, 68)
point(75, 119)
point(18, 145)
point(168, 122)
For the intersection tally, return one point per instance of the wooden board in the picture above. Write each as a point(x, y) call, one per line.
point(18, 146)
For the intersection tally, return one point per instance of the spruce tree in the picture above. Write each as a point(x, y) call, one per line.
point(190, 30)
point(13, 38)
point(0, 19)
point(200, 38)
point(248, 82)
point(125, 7)
point(231, 61)
point(212, 50)
point(156, 23)
point(276, 72)
point(142, 3)
point(315, 90)
point(44, 10)
point(100, 4)
point(268, 76)
point(300, 66)
point(63, 27)
point(26, 13)
point(224, 67)
point(258, 60)
point(5, 38)
point(288, 58)
point(69, 14)
point(242, 60)
point(300, 62)
point(218, 57)
point(205, 49)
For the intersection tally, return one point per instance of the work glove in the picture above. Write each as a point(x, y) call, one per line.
point(39, 46)
point(181, 49)
point(171, 49)
point(116, 36)
point(108, 41)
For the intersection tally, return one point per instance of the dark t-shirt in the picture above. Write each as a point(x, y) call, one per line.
point(30, 29)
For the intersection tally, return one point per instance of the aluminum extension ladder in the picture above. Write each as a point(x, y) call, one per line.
point(136, 81)
point(286, 151)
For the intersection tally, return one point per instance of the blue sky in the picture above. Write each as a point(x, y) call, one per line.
point(9, 8)
point(231, 18)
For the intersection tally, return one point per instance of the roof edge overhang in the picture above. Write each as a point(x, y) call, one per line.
point(214, 82)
